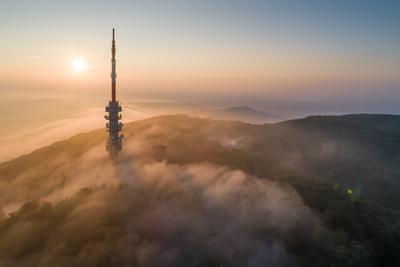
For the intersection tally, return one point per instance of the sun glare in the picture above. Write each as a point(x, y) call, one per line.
point(78, 65)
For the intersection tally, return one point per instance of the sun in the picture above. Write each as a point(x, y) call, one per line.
point(78, 65)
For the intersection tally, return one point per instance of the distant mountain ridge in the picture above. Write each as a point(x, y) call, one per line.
point(243, 113)
point(241, 109)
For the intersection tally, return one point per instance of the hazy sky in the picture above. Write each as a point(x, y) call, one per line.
point(306, 49)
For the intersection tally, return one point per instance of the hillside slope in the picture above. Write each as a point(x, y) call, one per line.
point(339, 172)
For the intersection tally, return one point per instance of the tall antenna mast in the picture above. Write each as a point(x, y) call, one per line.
point(113, 70)
point(114, 126)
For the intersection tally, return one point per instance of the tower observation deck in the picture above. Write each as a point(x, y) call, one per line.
point(114, 126)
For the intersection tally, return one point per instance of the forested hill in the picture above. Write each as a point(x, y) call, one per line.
point(345, 168)
point(371, 129)
point(357, 151)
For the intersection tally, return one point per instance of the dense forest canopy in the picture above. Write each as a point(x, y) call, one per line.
point(319, 191)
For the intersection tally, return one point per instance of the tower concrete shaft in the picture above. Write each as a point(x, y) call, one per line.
point(114, 126)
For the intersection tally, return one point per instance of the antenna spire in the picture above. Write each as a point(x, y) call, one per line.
point(113, 47)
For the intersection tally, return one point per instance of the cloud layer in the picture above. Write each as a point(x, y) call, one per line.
point(159, 214)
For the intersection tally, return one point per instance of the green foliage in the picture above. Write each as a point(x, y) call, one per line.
point(345, 168)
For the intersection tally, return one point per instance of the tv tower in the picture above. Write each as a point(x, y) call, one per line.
point(114, 126)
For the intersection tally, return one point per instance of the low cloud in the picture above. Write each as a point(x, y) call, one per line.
point(158, 214)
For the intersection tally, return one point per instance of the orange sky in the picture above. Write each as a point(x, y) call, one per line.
point(210, 46)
